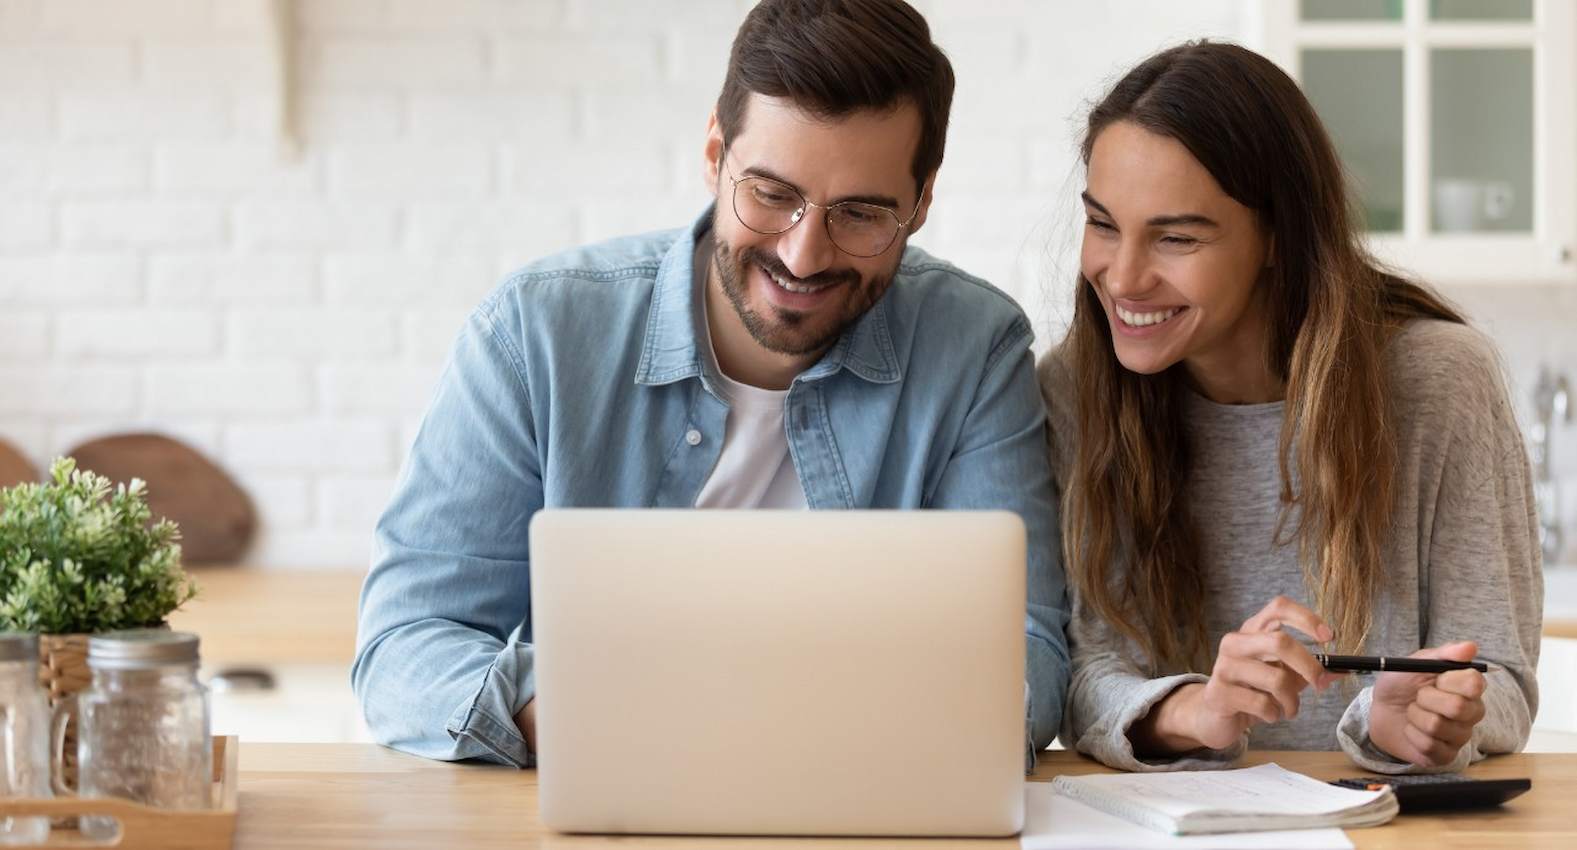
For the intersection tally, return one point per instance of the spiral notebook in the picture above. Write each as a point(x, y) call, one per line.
point(1267, 797)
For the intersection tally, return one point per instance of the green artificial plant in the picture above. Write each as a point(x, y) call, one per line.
point(79, 555)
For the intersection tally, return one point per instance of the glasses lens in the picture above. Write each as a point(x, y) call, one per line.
point(766, 206)
point(862, 230)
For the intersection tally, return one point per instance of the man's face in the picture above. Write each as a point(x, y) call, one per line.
point(795, 292)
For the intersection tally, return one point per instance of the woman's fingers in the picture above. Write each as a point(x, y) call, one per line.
point(1440, 722)
point(1269, 664)
point(1450, 704)
point(1427, 752)
point(1277, 646)
point(1438, 727)
point(1225, 698)
point(1465, 683)
point(1282, 611)
point(1279, 683)
point(1260, 670)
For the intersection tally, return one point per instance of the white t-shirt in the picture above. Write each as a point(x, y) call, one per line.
point(755, 469)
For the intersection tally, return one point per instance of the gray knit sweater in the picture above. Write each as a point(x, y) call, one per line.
point(1462, 557)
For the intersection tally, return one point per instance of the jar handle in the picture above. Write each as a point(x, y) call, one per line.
point(62, 714)
point(13, 754)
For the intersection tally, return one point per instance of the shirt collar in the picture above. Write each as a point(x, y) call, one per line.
point(672, 349)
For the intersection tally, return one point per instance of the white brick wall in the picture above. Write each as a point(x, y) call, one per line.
point(136, 332)
point(164, 265)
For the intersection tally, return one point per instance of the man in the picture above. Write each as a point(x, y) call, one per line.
point(787, 350)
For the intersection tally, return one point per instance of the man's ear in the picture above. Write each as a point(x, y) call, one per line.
point(712, 153)
point(925, 205)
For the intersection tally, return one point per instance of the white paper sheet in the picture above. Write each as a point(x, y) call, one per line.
point(1263, 789)
point(1055, 822)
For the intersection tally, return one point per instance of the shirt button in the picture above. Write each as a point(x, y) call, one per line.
point(693, 437)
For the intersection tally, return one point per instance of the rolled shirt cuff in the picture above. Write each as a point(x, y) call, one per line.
point(486, 728)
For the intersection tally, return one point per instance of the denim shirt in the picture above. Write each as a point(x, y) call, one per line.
point(584, 380)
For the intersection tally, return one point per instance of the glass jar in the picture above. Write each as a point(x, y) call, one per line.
point(142, 724)
point(25, 736)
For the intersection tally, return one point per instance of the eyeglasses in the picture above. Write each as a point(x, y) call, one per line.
point(770, 207)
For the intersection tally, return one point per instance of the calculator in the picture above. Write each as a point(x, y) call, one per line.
point(1441, 792)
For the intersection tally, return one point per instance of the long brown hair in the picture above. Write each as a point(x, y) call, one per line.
point(1331, 310)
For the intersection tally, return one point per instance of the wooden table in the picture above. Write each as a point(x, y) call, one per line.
point(330, 796)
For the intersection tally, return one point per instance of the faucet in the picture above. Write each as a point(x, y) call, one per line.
point(1552, 407)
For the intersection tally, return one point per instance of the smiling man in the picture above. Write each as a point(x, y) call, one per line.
point(788, 349)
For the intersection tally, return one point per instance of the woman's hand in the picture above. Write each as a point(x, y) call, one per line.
point(1259, 673)
point(1426, 718)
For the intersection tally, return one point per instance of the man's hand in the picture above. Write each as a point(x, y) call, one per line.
point(526, 722)
point(1424, 718)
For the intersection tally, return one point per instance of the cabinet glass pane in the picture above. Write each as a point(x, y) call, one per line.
point(1481, 139)
point(1481, 10)
point(1358, 94)
point(1350, 10)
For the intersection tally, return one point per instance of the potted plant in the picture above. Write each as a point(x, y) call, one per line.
point(79, 556)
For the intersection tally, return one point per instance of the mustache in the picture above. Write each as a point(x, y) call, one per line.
point(772, 264)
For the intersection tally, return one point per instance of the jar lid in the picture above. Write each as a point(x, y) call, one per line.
point(136, 649)
point(18, 646)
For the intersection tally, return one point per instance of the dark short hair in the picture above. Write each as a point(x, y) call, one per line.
point(835, 57)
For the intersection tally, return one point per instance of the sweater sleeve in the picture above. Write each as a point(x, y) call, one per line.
point(1481, 578)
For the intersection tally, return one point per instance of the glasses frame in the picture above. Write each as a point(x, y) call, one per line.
point(826, 220)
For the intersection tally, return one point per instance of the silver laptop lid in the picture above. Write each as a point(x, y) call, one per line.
point(779, 672)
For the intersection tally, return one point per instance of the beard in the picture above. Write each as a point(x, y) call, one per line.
point(795, 332)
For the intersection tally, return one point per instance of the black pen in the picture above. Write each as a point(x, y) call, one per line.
point(1377, 663)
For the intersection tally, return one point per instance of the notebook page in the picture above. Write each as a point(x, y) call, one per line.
point(1055, 822)
point(1265, 789)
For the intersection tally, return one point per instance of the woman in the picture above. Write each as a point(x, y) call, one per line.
point(1268, 446)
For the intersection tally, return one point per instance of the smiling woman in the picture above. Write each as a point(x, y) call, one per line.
point(1256, 427)
point(1176, 273)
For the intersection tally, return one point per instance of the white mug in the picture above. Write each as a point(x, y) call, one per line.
point(1463, 205)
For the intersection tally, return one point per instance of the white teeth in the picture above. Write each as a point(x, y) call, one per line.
point(792, 287)
point(1140, 320)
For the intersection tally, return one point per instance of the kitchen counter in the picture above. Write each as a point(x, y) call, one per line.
point(338, 796)
point(256, 614)
point(1560, 628)
point(297, 628)
point(252, 615)
point(277, 647)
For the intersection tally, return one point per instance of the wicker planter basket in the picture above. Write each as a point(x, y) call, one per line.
point(63, 671)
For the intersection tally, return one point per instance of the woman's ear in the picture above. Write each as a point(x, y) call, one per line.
point(1270, 250)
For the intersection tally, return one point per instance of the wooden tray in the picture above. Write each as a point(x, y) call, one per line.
point(144, 827)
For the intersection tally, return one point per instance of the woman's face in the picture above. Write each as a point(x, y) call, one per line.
point(1174, 259)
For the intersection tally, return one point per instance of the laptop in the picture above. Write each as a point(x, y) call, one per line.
point(779, 672)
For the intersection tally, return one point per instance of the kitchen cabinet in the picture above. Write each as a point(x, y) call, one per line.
point(1456, 119)
point(1558, 686)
